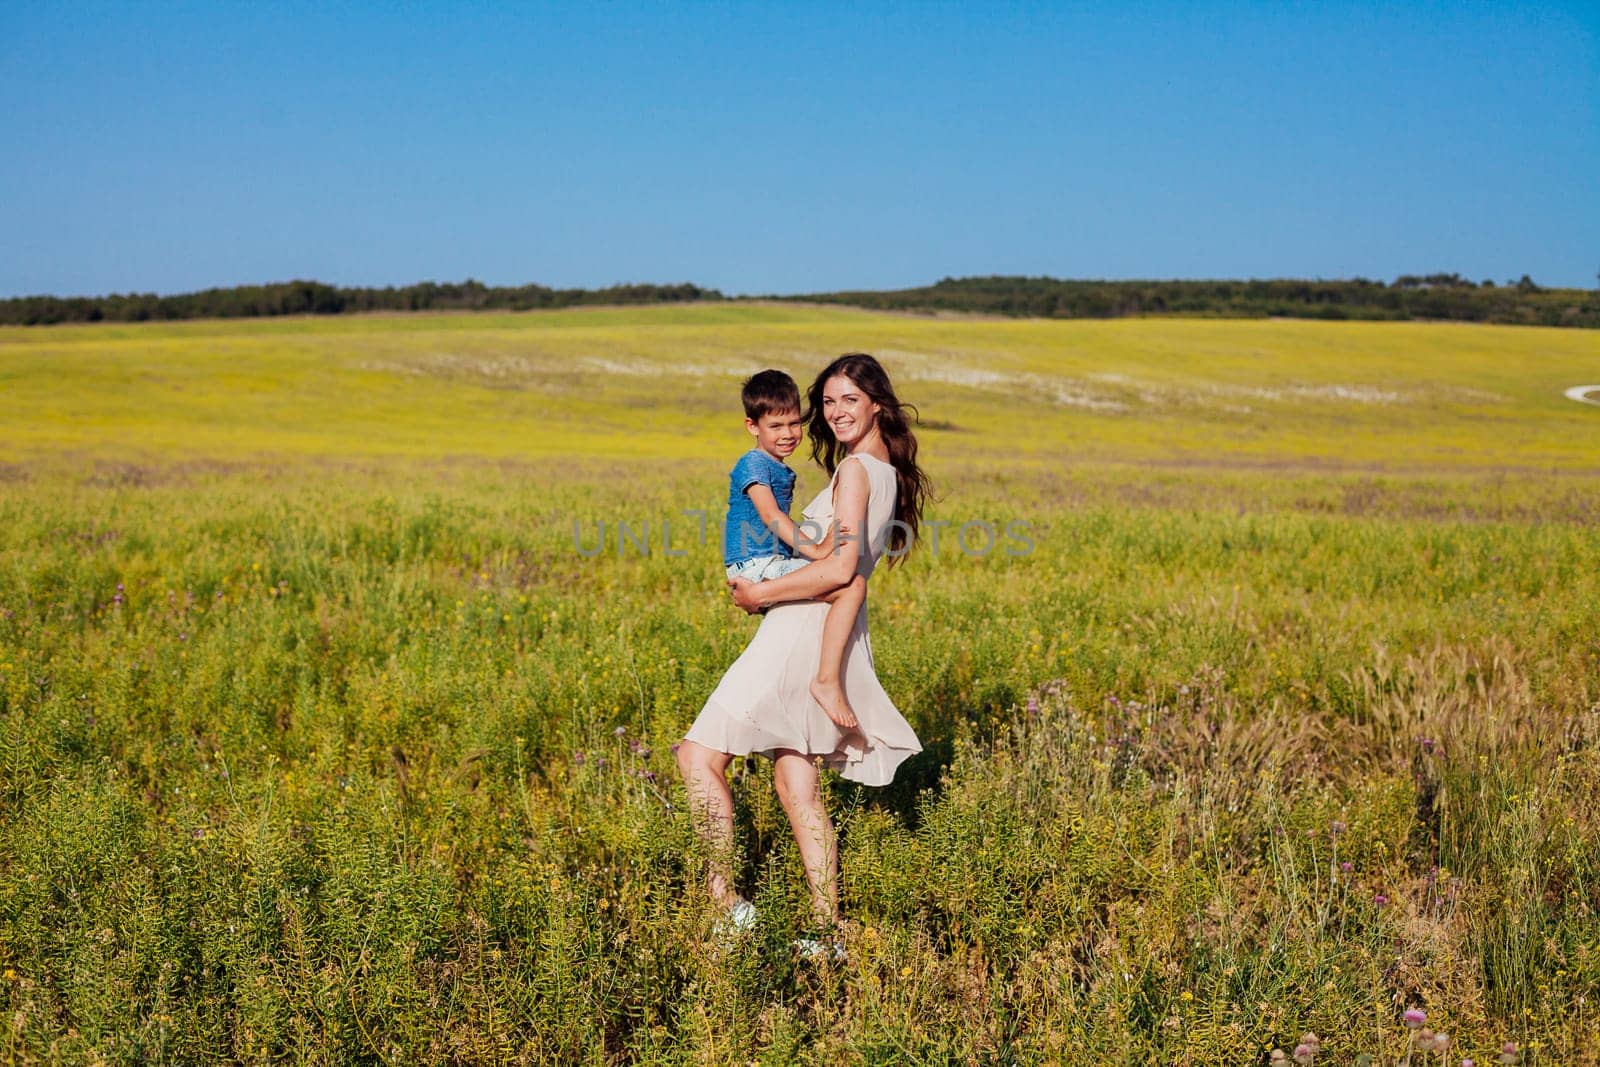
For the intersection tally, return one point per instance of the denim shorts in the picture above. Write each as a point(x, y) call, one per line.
point(765, 568)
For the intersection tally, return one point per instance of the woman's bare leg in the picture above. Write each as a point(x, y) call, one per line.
point(800, 790)
point(711, 805)
point(827, 688)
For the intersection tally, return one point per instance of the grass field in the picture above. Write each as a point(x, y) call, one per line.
point(320, 740)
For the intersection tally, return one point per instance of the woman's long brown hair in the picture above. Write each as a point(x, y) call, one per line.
point(913, 485)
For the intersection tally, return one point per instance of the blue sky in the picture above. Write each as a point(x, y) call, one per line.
point(793, 148)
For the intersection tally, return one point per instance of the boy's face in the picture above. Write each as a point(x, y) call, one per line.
point(777, 432)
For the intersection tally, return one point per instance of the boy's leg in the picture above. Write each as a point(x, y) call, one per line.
point(750, 570)
point(827, 688)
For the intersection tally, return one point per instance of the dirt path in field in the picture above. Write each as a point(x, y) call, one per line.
point(1580, 393)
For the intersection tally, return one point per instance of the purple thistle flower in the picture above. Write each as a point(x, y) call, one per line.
point(619, 731)
point(1337, 828)
point(577, 759)
point(1303, 1054)
point(644, 753)
point(1509, 1053)
point(1033, 706)
point(648, 776)
point(1379, 899)
point(599, 763)
point(634, 744)
point(1414, 1018)
point(675, 746)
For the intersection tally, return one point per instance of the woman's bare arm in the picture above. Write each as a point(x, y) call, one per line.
point(789, 532)
point(850, 492)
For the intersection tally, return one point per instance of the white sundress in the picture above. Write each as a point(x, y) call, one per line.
point(763, 702)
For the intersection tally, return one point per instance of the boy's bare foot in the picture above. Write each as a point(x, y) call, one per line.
point(834, 705)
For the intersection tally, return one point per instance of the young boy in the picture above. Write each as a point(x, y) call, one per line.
point(760, 492)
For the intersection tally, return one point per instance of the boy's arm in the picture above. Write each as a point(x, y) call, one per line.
point(850, 494)
point(789, 532)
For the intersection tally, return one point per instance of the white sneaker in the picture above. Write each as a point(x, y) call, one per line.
point(739, 920)
point(742, 916)
point(811, 948)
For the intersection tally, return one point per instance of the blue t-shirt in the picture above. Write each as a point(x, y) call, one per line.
point(744, 536)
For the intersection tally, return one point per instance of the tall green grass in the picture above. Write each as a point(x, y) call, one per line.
point(330, 757)
point(309, 785)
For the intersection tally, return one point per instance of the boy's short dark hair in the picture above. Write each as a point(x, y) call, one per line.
point(768, 392)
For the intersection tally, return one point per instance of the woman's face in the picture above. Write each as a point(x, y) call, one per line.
point(849, 411)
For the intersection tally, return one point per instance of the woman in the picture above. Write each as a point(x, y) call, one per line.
point(860, 434)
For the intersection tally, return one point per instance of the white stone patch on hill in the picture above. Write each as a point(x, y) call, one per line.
point(653, 369)
point(543, 370)
point(1361, 394)
point(1062, 391)
point(1218, 394)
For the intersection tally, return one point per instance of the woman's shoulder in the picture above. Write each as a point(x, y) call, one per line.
point(859, 470)
point(876, 464)
point(878, 471)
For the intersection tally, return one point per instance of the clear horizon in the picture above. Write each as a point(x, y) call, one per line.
point(760, 152)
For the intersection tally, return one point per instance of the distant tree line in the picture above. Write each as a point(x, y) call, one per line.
point(315, 298)
point(1433, 296)
point(1410, 296)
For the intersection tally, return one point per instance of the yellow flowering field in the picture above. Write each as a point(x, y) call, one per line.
point(327, 735)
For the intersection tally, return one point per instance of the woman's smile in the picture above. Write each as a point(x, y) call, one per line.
point(849, 414)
